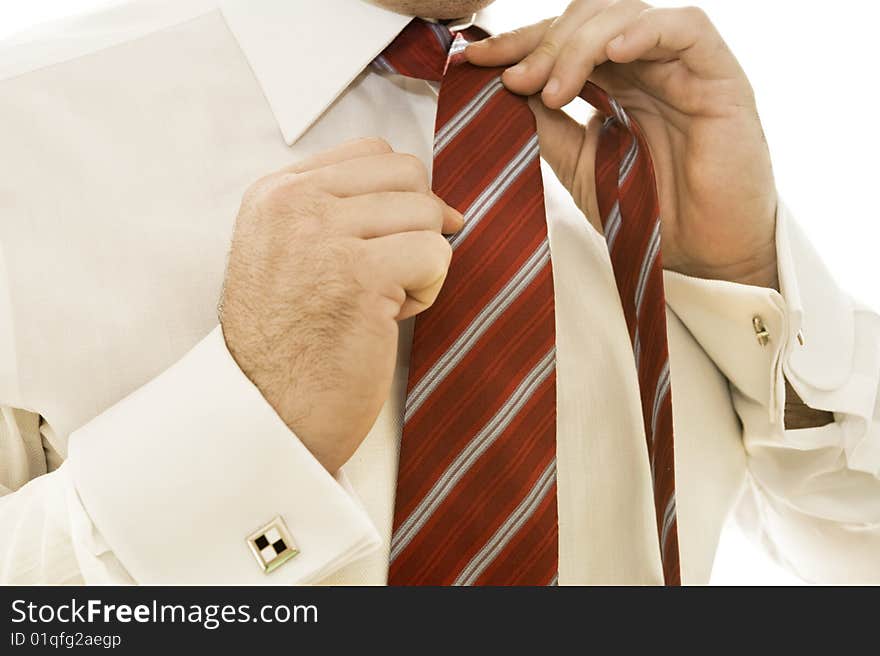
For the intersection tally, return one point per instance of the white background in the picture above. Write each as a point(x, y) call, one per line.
point(812, 64)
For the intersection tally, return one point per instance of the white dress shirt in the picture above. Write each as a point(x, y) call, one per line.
point(133, 449)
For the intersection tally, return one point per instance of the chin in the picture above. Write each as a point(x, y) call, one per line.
point(441, 9)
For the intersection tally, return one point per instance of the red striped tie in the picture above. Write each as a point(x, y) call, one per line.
point(476, 491)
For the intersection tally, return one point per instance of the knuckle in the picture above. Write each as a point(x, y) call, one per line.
point(258, 187)
point(285, 210)
point(434, 212)
point(629, 7)
point(377, 144)
point(648, 15)
point(548, 48)
point(695, 15)
point(524, 34)
point(414, 169)
point(291, 182)
point(440, 252)
point(293, 200)
point(513, 36)
point(582, 45)
point(507, 37)
point(285, 189)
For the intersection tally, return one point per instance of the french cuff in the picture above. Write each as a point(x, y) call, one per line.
point(188, 477)
point(758, 337)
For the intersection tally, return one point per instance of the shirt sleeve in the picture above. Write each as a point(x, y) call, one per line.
point(812, 496)
point(167, 486)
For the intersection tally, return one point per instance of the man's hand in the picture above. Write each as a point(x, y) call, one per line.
point(673, 72)
point(327, 257)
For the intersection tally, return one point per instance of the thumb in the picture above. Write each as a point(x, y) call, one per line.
point(570, 149)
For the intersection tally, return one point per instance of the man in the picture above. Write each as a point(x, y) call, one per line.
point(136, 449)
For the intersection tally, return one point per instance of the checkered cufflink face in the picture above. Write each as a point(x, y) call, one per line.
point(272, 545)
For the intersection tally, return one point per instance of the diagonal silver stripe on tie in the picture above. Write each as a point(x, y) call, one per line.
point(653, 468)
point(660, 395)
point(487, 435)
point(444, 37)
point(476, 329)
point(490, 195)
point(626, 166)
point(383, 64)
point(647, 265)
point(637, 349)
point(612, 226)
point(465, 115)
point(511, 526)
point(619, 112)
point(668, 519)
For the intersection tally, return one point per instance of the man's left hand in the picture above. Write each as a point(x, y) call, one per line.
point(673, 72)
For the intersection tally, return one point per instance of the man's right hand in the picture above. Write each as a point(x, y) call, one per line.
point(327, 256)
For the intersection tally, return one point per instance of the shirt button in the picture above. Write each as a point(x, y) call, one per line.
point(761, 332)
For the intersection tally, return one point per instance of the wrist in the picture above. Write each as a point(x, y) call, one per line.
point(799, 416)
point(765, 274)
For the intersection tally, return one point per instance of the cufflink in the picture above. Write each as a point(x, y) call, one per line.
point(272, 545)
point(761, 332)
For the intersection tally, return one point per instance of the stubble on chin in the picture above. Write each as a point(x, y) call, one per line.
point(441, 9)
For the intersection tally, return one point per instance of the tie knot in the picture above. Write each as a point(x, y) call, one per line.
point(423, 50)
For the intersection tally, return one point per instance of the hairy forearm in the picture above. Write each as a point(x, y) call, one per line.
point(798, 415)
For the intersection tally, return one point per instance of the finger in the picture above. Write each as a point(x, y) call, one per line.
point(370, 174)
point(364, 147)
point(585, 50)
point(574, 166)
point(512, 47)
point(533, 73)
point(415, 262)
point(386, 213)
point(687, 34)
point(508, 48)
point(537, 47)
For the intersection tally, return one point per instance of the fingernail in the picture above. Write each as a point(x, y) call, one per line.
point(552, 87)
point(617, 41)
point(519, 69)
point(479, 44)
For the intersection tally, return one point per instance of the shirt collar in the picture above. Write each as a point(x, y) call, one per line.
point(305, 53)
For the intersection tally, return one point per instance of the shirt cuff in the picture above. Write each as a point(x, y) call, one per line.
point(178, 475)
point(758, 337)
